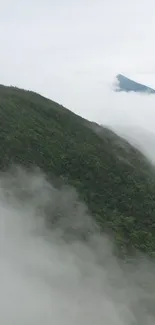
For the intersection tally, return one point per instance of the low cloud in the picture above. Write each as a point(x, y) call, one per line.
point(48, 276)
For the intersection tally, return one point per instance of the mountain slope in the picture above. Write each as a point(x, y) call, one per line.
point(140, 138)
point(113, 178)
point(128, 85)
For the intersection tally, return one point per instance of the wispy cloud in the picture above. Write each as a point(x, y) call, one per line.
point(46, 277)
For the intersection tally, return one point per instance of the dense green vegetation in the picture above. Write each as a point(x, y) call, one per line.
point(113, 178)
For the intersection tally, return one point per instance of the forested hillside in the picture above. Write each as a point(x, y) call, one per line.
point(112, 178)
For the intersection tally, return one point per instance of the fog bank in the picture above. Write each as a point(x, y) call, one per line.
point(50, 277)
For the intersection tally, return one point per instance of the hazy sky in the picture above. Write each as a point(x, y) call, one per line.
point(71, 50)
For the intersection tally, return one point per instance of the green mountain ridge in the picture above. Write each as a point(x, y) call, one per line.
point(113, 178)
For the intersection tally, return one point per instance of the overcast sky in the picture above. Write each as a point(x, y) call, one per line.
point(70, 51)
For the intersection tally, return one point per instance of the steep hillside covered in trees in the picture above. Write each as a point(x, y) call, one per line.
point(112, 178)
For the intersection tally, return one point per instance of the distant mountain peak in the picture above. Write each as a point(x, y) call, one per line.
point(127, 85)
